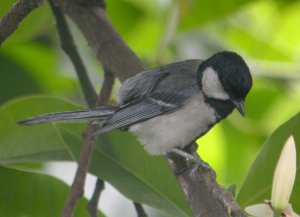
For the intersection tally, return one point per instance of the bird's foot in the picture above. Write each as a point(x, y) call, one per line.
point(198, 162)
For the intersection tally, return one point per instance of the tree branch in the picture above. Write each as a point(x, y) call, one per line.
point(68, 45)
point(93, 203)
point(11, 20)
point(107, 44)
point(205, 196)
point(139, 210)
point(107, 87)
point(76, 190)
point(103, 99)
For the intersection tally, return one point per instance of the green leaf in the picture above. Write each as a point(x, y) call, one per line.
point(36, 143)
point(117, 157)
point(254, 45)
point(13, 73)
point(35, 195)
point(117, 9)
point(257, 186)
point(121, 161)
point(194, 13)
point(261, 98)
point(46, 60)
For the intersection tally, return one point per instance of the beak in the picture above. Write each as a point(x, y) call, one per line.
point(239, 104)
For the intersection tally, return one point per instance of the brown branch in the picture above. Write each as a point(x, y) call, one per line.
point(103, 99)
point(76, 190)
point(107, 87)
point(205, 197)
point(11, 20)
point(93, 203)
point(107, 44)
point(68, 45)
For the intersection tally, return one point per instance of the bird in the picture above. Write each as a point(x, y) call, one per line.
point(171, 106)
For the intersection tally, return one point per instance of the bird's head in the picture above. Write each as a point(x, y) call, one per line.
point(225, 76)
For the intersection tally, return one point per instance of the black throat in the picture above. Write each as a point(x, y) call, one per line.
point(222, 107)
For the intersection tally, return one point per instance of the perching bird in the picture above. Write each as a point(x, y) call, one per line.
point(169, 107)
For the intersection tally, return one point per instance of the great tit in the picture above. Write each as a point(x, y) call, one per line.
point(169, 107)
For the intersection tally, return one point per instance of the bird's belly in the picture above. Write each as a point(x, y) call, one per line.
point(161, 134)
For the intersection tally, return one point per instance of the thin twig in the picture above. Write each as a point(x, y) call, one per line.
point(68, 45)
point(107, 86)
point(93, 203)
point(102, 100)
point(110, 49)
point(76, 190)
point(11, 20)
point(139, 209)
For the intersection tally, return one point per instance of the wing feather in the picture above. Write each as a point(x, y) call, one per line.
point(142, 110)
point(167, 91)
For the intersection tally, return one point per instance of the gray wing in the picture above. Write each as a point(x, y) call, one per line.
point(165, 93)
point(139, 85)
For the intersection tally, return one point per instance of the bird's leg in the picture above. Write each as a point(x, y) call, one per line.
point(183, 154)
point(99, 123)
point(198, 162)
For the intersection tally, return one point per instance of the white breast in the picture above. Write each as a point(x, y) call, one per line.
point(161, 134)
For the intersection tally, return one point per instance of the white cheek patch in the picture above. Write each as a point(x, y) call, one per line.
point(211, 85)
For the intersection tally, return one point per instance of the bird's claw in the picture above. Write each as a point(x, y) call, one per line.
point(197, 161)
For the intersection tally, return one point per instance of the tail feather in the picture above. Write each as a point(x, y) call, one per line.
point(100, 113)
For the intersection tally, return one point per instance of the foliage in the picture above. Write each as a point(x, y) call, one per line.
point(31, 62)
point(27, 193)
point(258, 183)
point(117, 158)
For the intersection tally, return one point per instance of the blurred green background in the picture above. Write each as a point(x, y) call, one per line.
point(266, 33)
